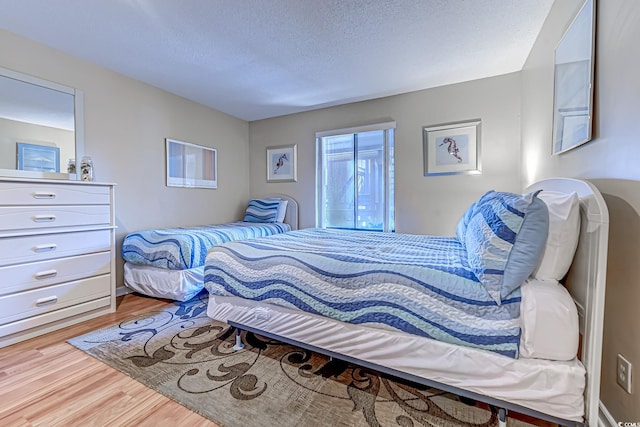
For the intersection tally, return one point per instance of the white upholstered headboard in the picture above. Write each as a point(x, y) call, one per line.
point(291, 217)
point(586, 280)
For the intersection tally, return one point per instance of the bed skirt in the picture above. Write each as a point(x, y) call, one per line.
point(180, 285)
point(551, 387)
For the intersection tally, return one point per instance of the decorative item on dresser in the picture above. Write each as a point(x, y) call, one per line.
point(57, 255)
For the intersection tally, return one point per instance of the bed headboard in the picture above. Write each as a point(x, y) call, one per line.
point(291, 217)
point(586, 280)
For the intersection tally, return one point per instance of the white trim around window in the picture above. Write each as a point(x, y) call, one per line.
point(357, 129)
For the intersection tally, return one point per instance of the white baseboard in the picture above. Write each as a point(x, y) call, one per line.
point(122, 290)
point(605, 419)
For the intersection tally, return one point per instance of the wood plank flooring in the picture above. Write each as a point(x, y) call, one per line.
point(47, 382)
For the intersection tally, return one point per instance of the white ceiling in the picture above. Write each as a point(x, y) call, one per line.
point(255, 59)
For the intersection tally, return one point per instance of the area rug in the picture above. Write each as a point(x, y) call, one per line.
point(179, 352)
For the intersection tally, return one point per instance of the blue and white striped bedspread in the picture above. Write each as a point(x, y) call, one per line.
point(184, 248)
point(416, 284)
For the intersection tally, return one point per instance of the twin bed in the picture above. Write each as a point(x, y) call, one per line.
point(169, 263)
point(477, 314)
point(446, 312)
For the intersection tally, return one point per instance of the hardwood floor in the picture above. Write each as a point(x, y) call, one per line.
point(47, 382)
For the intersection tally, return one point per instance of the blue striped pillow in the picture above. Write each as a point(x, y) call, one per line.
point(505, 239)
point(262, 210)
point(461, 228)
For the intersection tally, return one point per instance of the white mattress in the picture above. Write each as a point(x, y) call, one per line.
point(180, 285)
point(551, 387)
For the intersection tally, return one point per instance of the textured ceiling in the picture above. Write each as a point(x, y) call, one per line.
point(255, 59)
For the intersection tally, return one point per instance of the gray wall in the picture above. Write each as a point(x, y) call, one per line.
point(126, 123)
point(610, 161)
point(430, 205)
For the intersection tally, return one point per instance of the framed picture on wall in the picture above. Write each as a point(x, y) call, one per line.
point(282, 163)
point(33, 157)
point(191, 165)
point(452, 148)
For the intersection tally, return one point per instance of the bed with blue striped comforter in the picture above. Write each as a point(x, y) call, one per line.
point(416, 284)
point(187, 247)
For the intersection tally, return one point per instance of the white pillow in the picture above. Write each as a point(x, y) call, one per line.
point(549, 321)
point(562, 240)
point(282, 210)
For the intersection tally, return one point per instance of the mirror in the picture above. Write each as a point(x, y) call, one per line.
point(41, 127)
point(573, 82)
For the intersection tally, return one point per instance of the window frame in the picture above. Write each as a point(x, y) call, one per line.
point(388, 221)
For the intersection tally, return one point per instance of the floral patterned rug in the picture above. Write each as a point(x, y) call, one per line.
point(181, 353)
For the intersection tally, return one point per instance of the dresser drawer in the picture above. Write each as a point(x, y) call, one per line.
point(22, 277)
point(23, 193)
point(37, 217)
point(22, 305)
point(18, 250)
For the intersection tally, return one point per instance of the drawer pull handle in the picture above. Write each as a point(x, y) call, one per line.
point(46, 274)
point(47, 300)
point(44, 218)
point(45, 248)
point(43, 195)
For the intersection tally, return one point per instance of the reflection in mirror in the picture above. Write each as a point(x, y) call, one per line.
point(573, 92)
point(39, 128)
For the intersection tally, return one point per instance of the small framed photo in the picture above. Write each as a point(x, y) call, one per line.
point(33, 157)
point(190, 165)
point(282, 163)
point(452, 148)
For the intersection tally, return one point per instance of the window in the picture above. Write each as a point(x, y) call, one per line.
point(355, 178)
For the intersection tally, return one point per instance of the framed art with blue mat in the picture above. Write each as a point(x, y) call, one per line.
point(33, 157)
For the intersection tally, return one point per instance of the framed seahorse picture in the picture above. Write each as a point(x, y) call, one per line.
point(452, 148)
point(282, 163)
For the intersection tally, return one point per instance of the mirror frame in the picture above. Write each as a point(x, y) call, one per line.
point(589, 6)
point(78, 103)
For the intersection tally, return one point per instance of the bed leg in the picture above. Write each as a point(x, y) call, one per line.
point(502, 417)
point(239, 345)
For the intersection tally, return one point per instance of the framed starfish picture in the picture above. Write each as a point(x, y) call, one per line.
point(452, 148)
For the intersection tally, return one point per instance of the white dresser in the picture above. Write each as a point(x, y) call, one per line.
point(57, 255)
